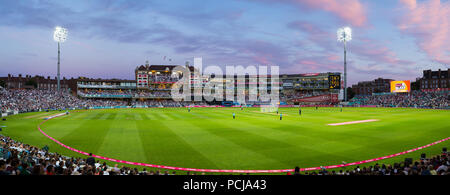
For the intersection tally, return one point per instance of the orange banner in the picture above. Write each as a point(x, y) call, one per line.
point(400, 86)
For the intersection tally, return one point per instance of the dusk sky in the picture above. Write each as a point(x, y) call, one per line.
point(109, 38)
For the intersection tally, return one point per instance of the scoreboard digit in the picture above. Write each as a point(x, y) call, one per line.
point(334, 81)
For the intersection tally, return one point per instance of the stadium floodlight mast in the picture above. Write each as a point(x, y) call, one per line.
point(59, 35)
point(344, 35)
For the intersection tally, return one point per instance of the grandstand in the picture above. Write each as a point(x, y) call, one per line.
point(310, 88)
point(415, 99)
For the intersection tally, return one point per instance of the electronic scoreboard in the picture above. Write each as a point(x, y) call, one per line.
point(334, 81)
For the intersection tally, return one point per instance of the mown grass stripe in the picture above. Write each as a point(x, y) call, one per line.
point(171, 146)
point(122, 141)
point(88, 136)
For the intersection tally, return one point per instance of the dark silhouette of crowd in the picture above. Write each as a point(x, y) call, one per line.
point(17, 158)
point(437, 165)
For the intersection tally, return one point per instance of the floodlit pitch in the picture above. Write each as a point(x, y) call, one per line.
point(209, 138)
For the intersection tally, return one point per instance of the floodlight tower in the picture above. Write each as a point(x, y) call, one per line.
point(59, 35)
point(344, 35)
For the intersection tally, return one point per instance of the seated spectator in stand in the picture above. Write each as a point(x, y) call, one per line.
point(90, 160)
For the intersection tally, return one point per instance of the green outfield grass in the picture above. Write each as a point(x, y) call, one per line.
point(210, 138)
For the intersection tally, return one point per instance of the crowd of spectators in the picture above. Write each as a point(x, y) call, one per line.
point(34, 100)
point(160, 87)
point(17, 158)
point(437, 165)
point(417, 99)
point(296, 94)
point(22, 100)
point(104, 92)
point(166, 103)
point(119, 93)
point(162, 94)
point(164, 78)
point(100, 103)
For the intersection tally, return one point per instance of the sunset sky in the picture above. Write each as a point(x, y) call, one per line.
point(109, 38)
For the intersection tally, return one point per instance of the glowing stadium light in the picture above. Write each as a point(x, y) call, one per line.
point(344, 35)
point(60, 36)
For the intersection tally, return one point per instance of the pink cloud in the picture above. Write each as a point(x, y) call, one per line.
point(411, 4)
point(333, 57)
point(315, 34)
point(352, 11)
point(261, 60)
point(376, 52)
point(308, 62)
point(364, 53)
point(429, 23)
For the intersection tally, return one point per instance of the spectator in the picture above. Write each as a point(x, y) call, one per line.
point(90, 160)
point(3, 168)
point(297, 171)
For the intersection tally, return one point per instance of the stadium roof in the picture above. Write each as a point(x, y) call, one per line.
point(159, 67)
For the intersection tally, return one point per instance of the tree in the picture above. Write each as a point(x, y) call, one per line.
point(415, 85)
point(350, 93)
point(2, 83)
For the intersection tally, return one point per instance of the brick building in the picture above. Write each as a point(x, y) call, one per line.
point(37, 82)
point(146, 75)
point(435, 79)
point(368, 87)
